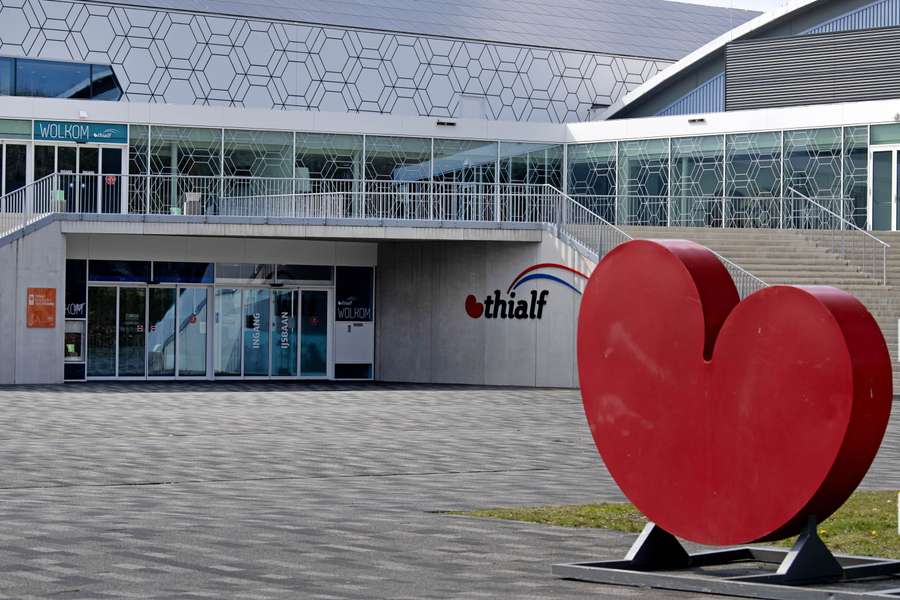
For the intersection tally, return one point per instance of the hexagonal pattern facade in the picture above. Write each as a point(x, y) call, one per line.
point(856, 173)
point(812, 162)
point(185, 58)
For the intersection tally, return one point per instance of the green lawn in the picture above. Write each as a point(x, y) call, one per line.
point(865, 525)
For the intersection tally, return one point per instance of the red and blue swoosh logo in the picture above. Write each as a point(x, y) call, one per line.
point(535, 272)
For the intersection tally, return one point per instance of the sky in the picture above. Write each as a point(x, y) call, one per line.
point(760, 5)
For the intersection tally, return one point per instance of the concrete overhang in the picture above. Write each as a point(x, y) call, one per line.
point(347, 230)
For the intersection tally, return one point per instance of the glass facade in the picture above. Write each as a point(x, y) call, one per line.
point(57, 79)
point(694, 181)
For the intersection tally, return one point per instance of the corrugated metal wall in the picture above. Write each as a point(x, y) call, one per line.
point(852, 66)
point(883, 13)
point(706, 98)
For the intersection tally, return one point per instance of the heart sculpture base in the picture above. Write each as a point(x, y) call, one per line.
point(807, 571)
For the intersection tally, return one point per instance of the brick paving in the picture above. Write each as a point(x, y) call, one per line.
point(286, 490)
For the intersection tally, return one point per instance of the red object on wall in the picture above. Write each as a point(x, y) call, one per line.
point(727, 422)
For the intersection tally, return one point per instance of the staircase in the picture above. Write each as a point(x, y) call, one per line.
point(793, 257)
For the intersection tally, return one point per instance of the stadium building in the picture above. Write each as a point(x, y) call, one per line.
point(417, 191)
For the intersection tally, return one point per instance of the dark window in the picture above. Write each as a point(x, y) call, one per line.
point(76, 288)
point(57, 79)
point(119, 270)
point(353, 293)
point(182, 272)
point(303, 273)
point(46, 79)
point(353, 371)
point(14, 169)
point(245, 272)
point(103, 83)
point(7, 76)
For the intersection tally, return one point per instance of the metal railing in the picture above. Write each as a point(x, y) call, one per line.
point(583, 227)
point(758, 212)
point(843, 238)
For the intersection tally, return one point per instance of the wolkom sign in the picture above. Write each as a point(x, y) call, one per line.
point(80, 132)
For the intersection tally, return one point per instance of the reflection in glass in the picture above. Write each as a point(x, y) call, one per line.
point(50, 79)
point(284, 333)
point(256, 332)
point(101, 332)
point(881, 190)
point(161, 333)
point(192, 304)
point(314, 334)
point(592, 177)
point(228, 332)
point(132, 307)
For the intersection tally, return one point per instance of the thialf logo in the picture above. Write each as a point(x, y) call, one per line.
point(508, 306)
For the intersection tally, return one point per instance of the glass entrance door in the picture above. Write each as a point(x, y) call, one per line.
point(88, 168)
point(284, 333)
point(161, 332)
point(314, 333)
point(192, 331)
point(101, 342)
point(256, 332)
point(132, 354)
point(884, 187)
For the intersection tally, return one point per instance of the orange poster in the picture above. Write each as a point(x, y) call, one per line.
point(41, 307)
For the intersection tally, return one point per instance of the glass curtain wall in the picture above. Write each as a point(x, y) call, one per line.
point(465, 173)
point(193, 155)
point(257, 168)
point(524, 170)
point(812, 168)
point(330, 166)
point(644, 182)
point(753, 179)
point(592, 177)
point(856, 173)
point(397, 170)
point(697, 181)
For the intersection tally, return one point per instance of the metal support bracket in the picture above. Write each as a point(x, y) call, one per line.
point(658, 560)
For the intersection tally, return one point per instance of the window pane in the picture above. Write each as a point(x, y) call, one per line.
point(531, 163)
point(328, 156)
point(643, 183)
point(228, 332)
point(256, 332)
point(398, 159)
point(185, 151)
point(304, 274)
point(161, 333)
point(592, 177)
point(182, 272)
point(103, 83)
point(856, 171)
point(45, 79)
point(698, 165)
point(119, 270)
point(258, 153)
point(192, 332)
point(14, 169)
point(464, 161)
point(6, 77)
point(812, 163)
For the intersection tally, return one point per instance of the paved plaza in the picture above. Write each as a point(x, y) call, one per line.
point(253, 491)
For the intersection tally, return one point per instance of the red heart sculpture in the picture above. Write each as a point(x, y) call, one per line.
point(727, 422)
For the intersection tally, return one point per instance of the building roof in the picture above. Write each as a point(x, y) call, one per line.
point(704, 52)
point(641, 28)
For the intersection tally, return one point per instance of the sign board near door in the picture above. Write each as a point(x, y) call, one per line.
point(80, 132)
point(41, 308)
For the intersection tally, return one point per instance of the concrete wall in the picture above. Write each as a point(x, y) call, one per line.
point(214, 249)
point(425, 334)
point(31, 355)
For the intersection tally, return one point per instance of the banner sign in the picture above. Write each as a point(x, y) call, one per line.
point(41, 308)
point(81, 133)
